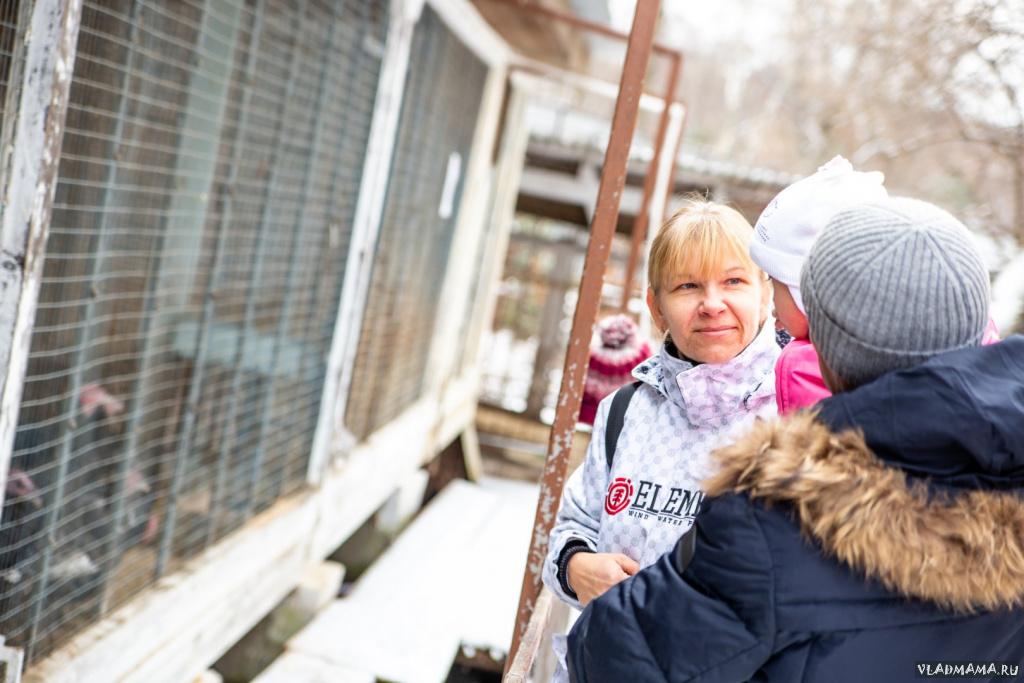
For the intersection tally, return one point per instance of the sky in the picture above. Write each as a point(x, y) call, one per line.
point(757, 22)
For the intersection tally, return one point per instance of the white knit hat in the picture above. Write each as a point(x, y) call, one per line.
point(789, 225)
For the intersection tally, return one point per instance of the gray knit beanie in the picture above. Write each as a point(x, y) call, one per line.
point(888, 285)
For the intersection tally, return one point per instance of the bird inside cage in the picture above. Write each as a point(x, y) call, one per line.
point(83, 538)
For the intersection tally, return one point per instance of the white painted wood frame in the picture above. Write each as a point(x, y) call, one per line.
point(29, 181)
point(332, 439)
point(472, 226)
point(507, 175)
point(330, 435)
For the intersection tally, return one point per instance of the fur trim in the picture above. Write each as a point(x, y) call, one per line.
point(962, 551)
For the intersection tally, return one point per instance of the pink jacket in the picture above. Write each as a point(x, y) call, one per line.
point(798, 382)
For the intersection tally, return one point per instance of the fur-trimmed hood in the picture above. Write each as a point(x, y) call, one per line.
point(927, 536)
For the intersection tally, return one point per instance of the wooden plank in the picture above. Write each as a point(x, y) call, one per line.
point(369, 476)
point(472, 29)
point(227, 616)
point(491, 593)
point(407, 625)
point(458, 406)
point(402, 621)
point(292, 667)
point(578, 190)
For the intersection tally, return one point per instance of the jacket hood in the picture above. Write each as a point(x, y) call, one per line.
point(957, 419)
point(962, 550)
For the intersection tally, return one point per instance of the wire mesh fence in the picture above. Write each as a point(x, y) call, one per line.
point(439, 112)
point(13, 23)
point(210, 168)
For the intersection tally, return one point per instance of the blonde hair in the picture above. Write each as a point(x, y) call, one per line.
point(697, 240)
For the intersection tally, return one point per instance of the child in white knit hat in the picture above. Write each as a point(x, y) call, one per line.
point(783, 237)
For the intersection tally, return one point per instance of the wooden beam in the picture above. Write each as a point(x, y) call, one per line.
point(508, 173)
point(640, 225)
point(366, 223)
point(30, 180)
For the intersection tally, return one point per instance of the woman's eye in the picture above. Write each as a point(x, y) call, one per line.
point(733, 281)
point(687, 285)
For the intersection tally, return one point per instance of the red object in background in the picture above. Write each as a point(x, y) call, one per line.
point(611, 363)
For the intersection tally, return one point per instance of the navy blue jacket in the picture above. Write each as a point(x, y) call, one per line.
point(825, 555)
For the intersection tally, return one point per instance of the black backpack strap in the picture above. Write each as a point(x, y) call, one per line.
point(685, 547)
point(616, 418)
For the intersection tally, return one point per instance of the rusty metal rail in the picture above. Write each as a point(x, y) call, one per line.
point(675, 57)
point(640, 223)
point(613, 180)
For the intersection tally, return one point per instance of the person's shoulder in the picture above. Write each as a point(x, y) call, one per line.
point(641, 392)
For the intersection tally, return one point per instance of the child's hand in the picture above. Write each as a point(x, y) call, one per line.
point(591, 574)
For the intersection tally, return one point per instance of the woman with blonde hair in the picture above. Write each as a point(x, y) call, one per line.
point(638, 490)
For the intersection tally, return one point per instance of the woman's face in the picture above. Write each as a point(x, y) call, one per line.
point(712, 319)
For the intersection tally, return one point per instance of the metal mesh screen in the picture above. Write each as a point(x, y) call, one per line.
point(207, 187)
point(13, 24)
point(442, 98)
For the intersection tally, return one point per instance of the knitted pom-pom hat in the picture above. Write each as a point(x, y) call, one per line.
point(616, 350)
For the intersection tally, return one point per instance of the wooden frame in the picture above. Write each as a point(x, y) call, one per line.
point(332, 438)
point(29, 184)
